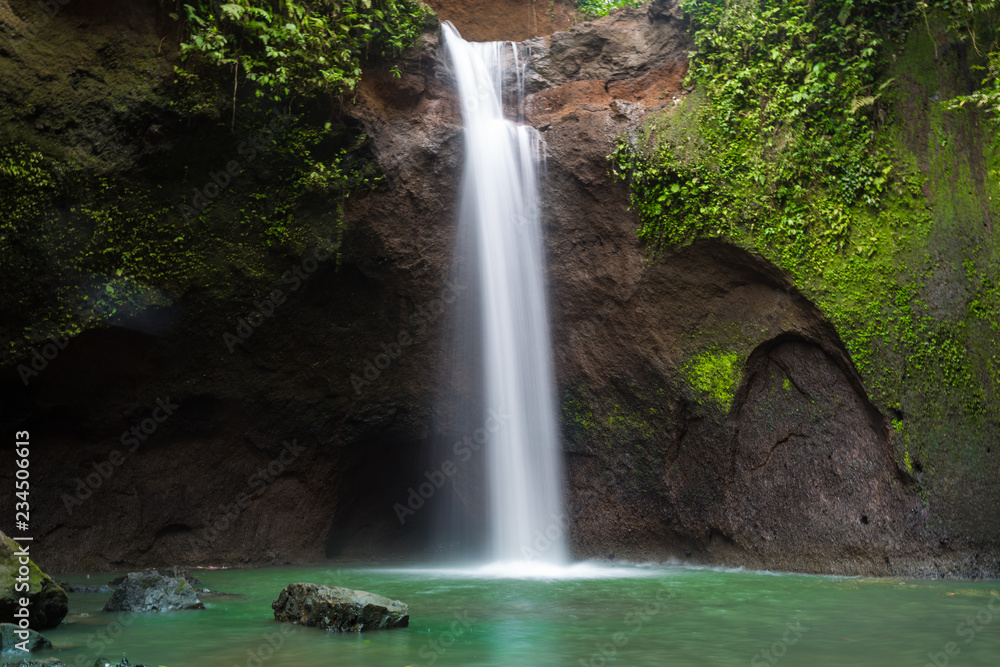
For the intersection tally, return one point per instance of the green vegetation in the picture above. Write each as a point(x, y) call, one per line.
point(625, 429)
point(837, 140)
point(716, 374)
point(786, 142)
point(595, 8)
point(244, 165)
point(282, 48)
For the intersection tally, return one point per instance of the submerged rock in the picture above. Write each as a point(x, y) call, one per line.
point(175, 573)
point(47, 602)
point(9, 639)
point(85, 588)
point(32, 662)
point(151, 591)
point(340, 609)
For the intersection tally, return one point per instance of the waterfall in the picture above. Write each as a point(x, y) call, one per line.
point(501, 206)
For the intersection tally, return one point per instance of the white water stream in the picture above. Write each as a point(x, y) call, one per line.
point(501, 201)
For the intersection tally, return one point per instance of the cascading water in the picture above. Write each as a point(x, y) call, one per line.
point(501, 203)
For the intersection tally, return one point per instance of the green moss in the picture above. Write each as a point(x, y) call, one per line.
point(99, 173)
point(630, 424)
point(577, 416)
point(715, 374)
point(9, 565)
point(626, 434)
point(108, 249)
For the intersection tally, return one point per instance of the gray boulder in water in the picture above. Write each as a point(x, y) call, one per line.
point(10, 639)
point(340, 609)
point(151, 591)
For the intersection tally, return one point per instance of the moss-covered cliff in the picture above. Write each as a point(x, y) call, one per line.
point(147, 155)
point(825, 137)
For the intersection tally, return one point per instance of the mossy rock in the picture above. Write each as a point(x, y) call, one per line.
point(48, 603)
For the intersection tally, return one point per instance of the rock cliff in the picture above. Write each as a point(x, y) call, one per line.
point(164, 445)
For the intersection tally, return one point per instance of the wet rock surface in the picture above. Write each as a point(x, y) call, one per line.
point(339, 609)
point(11, 642)
point(33, 662)
point(87, 588)
point(48, 603)
point(153, 592)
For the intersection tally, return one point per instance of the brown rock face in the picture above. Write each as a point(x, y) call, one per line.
point(505, 20)
point(797, 471)
point(303, 442)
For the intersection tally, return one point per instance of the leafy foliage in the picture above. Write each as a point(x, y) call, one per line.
point(988, 95)
point(787, 140)
point(595, 8)
point(794, 144)
point(976, 21)
point(304, 47)
point(89, 244)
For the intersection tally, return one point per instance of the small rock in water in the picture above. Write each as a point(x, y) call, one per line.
point(84, 588)
point(174, 573)
point(152, 591)
point(339, 609)
point(9, 639)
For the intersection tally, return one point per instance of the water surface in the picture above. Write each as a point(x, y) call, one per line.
point(627, 615)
